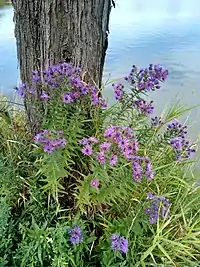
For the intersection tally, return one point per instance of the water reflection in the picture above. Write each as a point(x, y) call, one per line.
point(166, 32)
point(8, 60)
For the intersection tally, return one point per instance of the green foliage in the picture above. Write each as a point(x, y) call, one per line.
point(44, 195)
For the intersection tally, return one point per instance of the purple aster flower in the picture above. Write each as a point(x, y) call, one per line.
point(156, 121)
point(93, 140)
point(87, 150)
point(76, 236)
point(137, 171)
point(76, 94)
point(113, 160)
point(101, 157)
point(44, 96)
point(36, 78)
point(102, 102)
point(123, 245)
point(149, 196)
point(153, 219)
point(84, 90)
point(114, 237)
point(164, 212)
point(62, 142)
point(105, 146)
point(94, 99)
point(84, 141)
point(144, 107)
point(149, 169)
point(39, 138)
point(123, 143)
point(150, 175)
point(159, 203)
point(147, 79)
point(119, 243)
point(148, 211)
point(48, 148)
point(177, 143)
point(21, 90)
point(60, 132)
point(32, 91)
point(118, 88)
point(94, 183)
point(128, 133)
point(68, 98)
point(51, 141)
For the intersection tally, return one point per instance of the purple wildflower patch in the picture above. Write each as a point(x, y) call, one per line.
point(119, 243)
point(158, 204)
point(76, 236)
point(50, 141)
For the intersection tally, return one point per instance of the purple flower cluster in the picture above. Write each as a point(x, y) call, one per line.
point(87, 142)
point(119, 243)
point(156, 121)
point(50, 141)
point(180, 144)
point(158, 203)
point(76, 236)
point(118, 89)
point(145, 107)
point(63, 75)
point(138, 171)
point(147, 79)
point(123, 142)
point(119, 141)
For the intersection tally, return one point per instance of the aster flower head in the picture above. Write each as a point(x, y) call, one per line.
point(137, 171)
point(159, 204)
point(102, 102)
point(76, 94)
point(21, 90)
point(48, 148)
point(176, 143)
point(119, 243)
point(68, 98)
point(87, 150)
point(94, 183)
point(50, 141)
point(101, 157)
point(113, 160)
point(44, 96)
point(118, 89)
point(144, 107)
point(93, 140)
point(123, 245)
point(147, 79)
point(123, 143)
point(156, 121)
point(149, 196)
point(76, 236)
point(84, 141)
point(105, 146)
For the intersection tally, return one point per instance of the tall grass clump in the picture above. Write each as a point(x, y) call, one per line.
point(97, 186)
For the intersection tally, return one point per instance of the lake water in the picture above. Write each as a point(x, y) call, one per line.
point(141, 32)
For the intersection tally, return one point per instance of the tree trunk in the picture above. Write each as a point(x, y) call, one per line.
point(52, 31)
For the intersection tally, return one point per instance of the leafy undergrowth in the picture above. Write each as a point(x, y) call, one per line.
point(97, 186)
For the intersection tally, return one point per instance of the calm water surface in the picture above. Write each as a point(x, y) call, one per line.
point(141, 32)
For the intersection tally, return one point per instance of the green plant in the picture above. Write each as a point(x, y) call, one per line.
point(75, 194)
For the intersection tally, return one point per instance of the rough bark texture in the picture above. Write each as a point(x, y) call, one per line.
point(50, 31)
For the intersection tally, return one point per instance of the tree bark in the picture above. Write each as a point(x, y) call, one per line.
point(52, 31)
